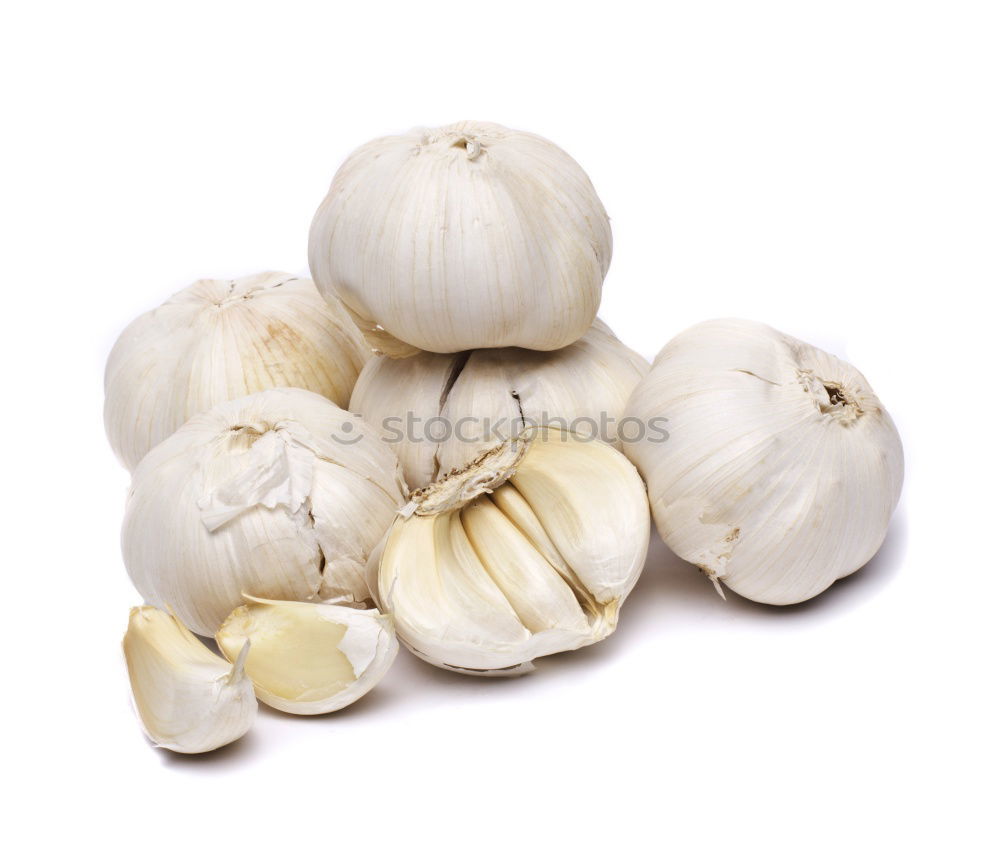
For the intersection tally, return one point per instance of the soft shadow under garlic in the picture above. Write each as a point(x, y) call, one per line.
point(232, 756)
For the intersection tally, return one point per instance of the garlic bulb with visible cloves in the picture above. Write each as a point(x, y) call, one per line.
point(439, 411)
point(529, 550)
point(309, 658)
point(467, 236)
point(218, 340)
point(188, 699)
point(279, 494)
point(781, 469)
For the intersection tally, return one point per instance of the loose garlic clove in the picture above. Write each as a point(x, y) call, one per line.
point(781, 469)
point(309, 658)
point(488, 395)
point(529, 550)
point(467, 236)
point(220, 339)
point(188, 699)
point(279, 494)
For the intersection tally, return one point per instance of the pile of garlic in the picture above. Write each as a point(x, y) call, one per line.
point(309, 540)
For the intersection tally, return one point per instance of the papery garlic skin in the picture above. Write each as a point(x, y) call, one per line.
point(486, 396)
point(309, 658)
point(218, 340)
point(279, 494)
point(529, 551)
point(188, 699)
point(781, 469)
point(466, 236)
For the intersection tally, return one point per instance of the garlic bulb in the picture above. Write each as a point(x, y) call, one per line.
point(529, 550)
point(217, 340)
point(439, 411)
point(264, 495)
point(309, 658)
point(188, 699)
point(781, 468)
point(467, 236)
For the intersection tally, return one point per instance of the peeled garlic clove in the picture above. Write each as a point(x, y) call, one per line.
point(439, 411)
point(188, 699)
point(529, 550)
point(466, 236)
point(220, 339)
point(309, 658)
point(781, 469)
point(279, 494)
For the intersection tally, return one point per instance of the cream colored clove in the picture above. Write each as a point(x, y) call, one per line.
point(188, 699)
point(309, 658)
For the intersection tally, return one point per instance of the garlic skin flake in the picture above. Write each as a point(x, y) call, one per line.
point(218, 340)
point(492, 394)
point(188, 699)
point(466, 236)
point(279, 494)
point(530, 550)
point(781, 469)
point(309, 658)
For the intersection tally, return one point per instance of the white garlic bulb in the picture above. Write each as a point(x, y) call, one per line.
point(218, 340)
point(466, 236)
point(439, 411)
point(279, 494)
point(188, 699)
point(309, 658)
point(781, 469)
point(528, 551)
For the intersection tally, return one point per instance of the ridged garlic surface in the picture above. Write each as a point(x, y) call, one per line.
point(466, 236)
point(188, 699)
point(530, 550)
point(259, 496)
point(781, 469)
point(309, 658)
point(489, 395)
point(220, 339)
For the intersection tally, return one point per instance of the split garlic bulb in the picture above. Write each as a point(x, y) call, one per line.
point(528, 551)
point(264, 495)
point(781, 469)
point(188, 699)
point(220, 339)
point(439, 411)
point(467, 236)
point(309, 658)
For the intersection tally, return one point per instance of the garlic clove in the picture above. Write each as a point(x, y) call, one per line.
point(571, 489)
point(536, 592)
point(188, 699)
point(309, 658)
point(782, 468)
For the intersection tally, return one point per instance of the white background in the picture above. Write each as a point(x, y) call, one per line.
point(832, 169)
